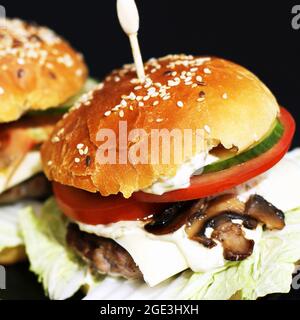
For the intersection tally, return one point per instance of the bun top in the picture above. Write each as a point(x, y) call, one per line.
point(232, 106)
point(38, 69)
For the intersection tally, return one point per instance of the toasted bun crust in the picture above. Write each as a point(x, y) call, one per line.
point(234, 108)
point(13, 255)
point(38, 69)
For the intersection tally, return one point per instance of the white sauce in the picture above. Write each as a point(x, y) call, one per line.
point(183, 175)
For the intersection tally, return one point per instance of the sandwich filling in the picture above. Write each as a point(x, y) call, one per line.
point(200, 235)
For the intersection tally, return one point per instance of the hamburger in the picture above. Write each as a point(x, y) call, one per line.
point(40, 75)
point(220, 221)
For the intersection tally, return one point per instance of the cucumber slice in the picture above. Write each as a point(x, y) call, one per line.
point(260, 148)
point(89, 85)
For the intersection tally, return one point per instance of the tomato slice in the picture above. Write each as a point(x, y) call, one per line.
point(212, 183)
point(91, 208)
point(16, 139)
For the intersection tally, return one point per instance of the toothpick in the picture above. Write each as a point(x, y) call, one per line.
point(129, 20)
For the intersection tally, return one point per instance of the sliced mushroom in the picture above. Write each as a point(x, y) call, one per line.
point(264, 212)
point(232, 237)
point(172, 218)
point(223, 208)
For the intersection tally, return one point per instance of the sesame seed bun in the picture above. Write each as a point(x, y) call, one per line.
point(234, 108)
point(38, 69)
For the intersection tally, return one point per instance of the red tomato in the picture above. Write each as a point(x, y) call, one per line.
point(91, 208)
point(16, 140)
point(212, 183)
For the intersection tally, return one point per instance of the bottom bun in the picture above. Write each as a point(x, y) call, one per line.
point(13, 255)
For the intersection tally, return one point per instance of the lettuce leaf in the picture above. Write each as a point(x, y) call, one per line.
point(59, 270)
point(10, 235)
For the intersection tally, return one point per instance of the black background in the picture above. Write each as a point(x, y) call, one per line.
point(256, 34)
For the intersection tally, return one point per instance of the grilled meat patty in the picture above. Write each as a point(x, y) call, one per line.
point(104, 255)
point(37, 187)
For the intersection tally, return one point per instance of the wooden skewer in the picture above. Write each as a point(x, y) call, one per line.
point(129, 20)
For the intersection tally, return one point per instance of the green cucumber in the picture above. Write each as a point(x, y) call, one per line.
point(89, 85)
point(260, 148)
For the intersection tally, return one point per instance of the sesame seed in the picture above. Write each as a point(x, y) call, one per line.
point(121, 114)
point(141, 104)
point(134, 81)
point(194, 85)
point(173, 83)
point(77, 160)
point(207, 129)
point(50, 163)
point(107, 113)
point(60, 131)
point(180, 104)
point(138, 87)
point(80, 146)
point(86, 150)
point(159, 120)
point(207, 71)
point(225, 96)
point(80, 152)
point(123, 103)
point(194, 69)
point(174, 73)
point(21, 61)
point(1, 90)
point(199, 79)
point(79, 72)
point(117, 79)
point(155, 103)
point(55, 139)
point(132, 96)
point(116, 108)
point(131, 108)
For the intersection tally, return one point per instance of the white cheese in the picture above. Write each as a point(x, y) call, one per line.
point(161, 257)
point(30, 165)
point(280, 185)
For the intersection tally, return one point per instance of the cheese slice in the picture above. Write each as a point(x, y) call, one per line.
point(30, 165)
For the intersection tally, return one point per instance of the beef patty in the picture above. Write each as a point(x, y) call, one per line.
point(104, 255)
point(36, 188)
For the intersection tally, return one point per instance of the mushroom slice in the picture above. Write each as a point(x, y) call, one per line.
point(172, 218)
point(225, 207)
point(263, 211)
point(232, 237)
